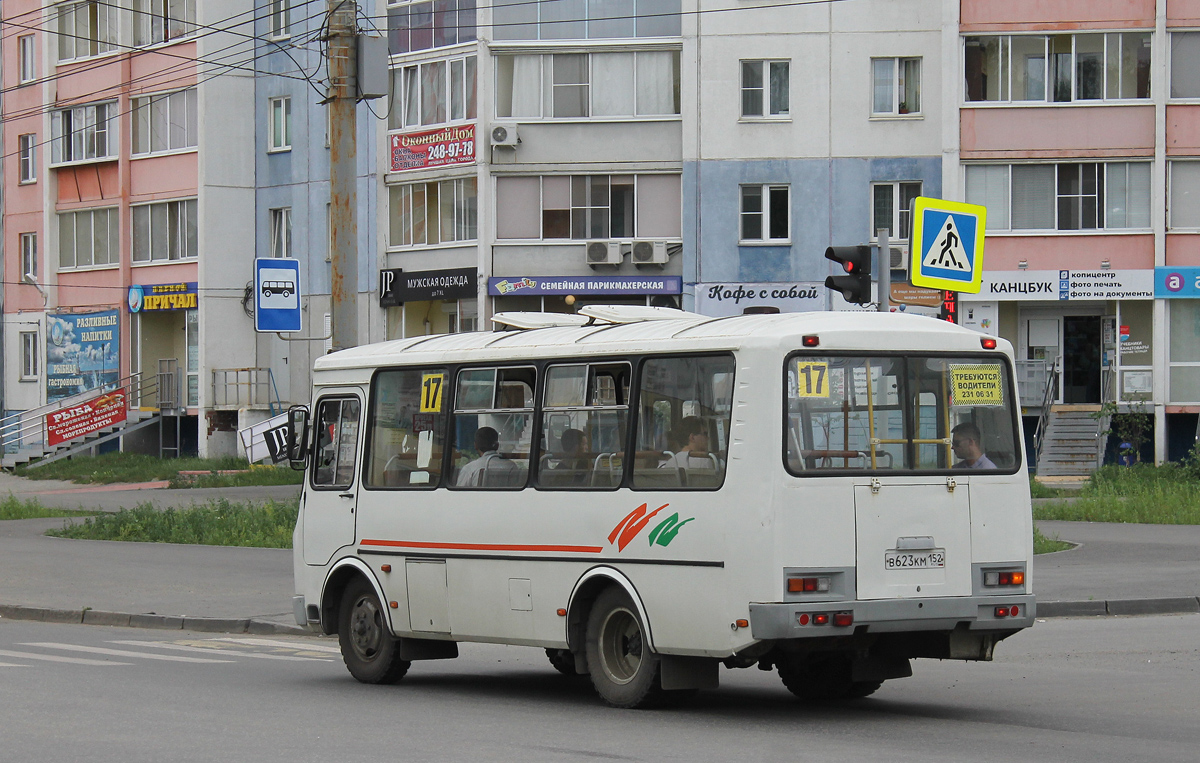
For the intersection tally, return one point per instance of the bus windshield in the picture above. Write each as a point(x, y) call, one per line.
point(893, 413)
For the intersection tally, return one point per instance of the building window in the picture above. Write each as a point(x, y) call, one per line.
point(88, 238)
point(29, 356)
point(29, 257)
point(581, 85)
point(281, 18)
point(192, 334)
point(1184, 378)
point(156, 21)
point(438, 212)
point(164, 122)
point(434, 92)
point(28, 58)
point(765, 88)
point(1069, 196)
point(425, 25)
point(84, 133)
point(586, 207)
point(579, 20)
point(891, 204)
point(165, 231)
point(281, 124)
point(896, 86)
point(27, 157)
point(1185, 64)
point(87, 29)
point(766, 214)
point(1184, 199)
point(281, 231)
point(1059, 68)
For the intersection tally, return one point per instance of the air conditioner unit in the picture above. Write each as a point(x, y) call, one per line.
point(649, 253)
point(604, 253)
point(899, 258)
point(505, 135)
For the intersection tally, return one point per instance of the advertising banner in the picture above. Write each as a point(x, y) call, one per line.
point(1064, 285)
point(266, 439)
point(82, 352)
point(561, 285)
point(444, 147)
point(100, 412)
point(397, 287)
point(1175, 282)
point(160, 297)
point(724, 299)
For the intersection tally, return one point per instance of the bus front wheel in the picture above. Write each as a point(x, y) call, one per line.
point(624, 670)
point(369, 650)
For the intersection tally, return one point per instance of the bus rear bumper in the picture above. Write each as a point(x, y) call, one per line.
point(778, 620)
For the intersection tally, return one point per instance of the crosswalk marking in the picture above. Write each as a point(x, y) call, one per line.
point(299, 646)
point(213, 649)
point(58, 658)
point(122, 652)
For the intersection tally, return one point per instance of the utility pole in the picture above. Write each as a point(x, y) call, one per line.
point(342, 97)
point(885, 270)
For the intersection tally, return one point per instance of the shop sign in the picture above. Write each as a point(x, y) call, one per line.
point(545, 286)
point(266, 439)
point(101, 412)
point(724, 299)
point(444, 147)
point(82, 352)
point(397, 287)
point(1175, 283)
point(160, 297)
point(1064, 285)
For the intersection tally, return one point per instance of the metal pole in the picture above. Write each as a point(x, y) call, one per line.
point(343, 97)
point(885, 269)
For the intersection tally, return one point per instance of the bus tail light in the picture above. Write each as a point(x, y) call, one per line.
point(810, 340)
point(1006, 578)
point(988, 343)
point(808, 585)
point(821, 619)
point(843, 619)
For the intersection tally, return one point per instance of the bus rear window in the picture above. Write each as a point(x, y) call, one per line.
point(892, 413)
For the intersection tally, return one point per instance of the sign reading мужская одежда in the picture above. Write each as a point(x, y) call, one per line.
point(1063, 285)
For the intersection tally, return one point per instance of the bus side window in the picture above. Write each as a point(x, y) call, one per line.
point(493, 424)
point(408, 426)
point(585, 417)
point(337, 442)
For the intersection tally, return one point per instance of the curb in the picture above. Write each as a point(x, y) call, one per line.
point(166, 622)
point(1115, 607)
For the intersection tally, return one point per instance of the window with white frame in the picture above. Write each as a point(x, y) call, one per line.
point(895, 86)
point(430, 24)
point(27, 55)
point(158, 21)
point(765, 214)
point(88, 238)
point(1066, 196)
point(766, 88)
point(584, 207)
point(585, 19)
point(87, 29)
point(280, 220)
point(583, 85)
point(1184, 357)
point(164, 122)
point(27, 157)
point(280, 115)
point(29, 355)
point(165, 231)
point(1058, 68)
point(1184, 198)
point(433, 93)
point(891, 205)
point(1185, 64)
point(281, 18)
point(84, 133)
point(29, 257)
point(436, 212)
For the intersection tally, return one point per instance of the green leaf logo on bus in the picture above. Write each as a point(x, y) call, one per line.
point(637, 520)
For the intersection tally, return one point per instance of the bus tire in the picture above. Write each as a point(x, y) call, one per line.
point(818, 678)
point(371, 653)
point(624, 670)
point(562, 660)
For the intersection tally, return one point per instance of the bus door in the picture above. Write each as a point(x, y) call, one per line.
point(332, 494)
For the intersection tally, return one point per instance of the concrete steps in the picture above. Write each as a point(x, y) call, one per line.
point(1072, 445)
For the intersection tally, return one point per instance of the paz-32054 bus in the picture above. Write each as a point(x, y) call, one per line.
point(650, 495)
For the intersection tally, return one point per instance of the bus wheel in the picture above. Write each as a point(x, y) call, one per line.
point(562, 660)
point(368, 647)
point(623, 669)
point(820, 677)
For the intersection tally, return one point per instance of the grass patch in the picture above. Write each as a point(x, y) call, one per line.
point(1143, 493)
point(1038, 490)
point(257, 475)
point(14, 508)
point(1044, 545)
point(217, 523)
point(135, 467)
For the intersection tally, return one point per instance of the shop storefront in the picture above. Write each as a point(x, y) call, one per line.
point(429, 301)
point(164, 337)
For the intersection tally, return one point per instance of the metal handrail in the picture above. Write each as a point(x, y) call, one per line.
point(1044, 416)
point(31, 425)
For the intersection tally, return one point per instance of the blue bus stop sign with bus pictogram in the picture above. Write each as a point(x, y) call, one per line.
point(277, 295)
point(947, 244)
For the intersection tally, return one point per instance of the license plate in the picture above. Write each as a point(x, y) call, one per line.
point(924, 559)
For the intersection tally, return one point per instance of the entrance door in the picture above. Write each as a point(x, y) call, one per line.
point(1081, 358)
point(331, 495)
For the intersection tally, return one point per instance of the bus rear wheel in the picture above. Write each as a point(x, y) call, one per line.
point(369, 650)
point(824, 677)
point(624, 670)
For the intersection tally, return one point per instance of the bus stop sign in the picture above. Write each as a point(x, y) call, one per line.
point(947, 244)
point(277, 295)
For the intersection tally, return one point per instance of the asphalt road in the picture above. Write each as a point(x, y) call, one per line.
point(1089, 690)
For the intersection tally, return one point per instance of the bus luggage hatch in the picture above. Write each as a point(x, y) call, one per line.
point(913, 541)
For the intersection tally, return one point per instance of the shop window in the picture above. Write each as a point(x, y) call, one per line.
point(1060, 68)
point(1184, 351)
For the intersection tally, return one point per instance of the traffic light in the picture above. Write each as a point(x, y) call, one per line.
point(856, 261)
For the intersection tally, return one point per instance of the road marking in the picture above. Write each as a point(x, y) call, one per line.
point(11, 665)
point(120, 652)
point(212, 649)
point(300, 647)
point(56, 658)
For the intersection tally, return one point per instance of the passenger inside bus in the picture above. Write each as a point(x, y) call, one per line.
point(569, 467)
point(965, 441)
point(491, 469)
point(694, 459)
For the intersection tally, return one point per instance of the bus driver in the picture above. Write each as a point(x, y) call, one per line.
point(965, 440)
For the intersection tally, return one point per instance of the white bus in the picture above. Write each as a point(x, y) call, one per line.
point(656, 494)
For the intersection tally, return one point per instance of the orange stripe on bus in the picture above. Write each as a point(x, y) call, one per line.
point(482, 546)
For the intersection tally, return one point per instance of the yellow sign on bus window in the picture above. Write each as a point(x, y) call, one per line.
point(980, 384)
point(812, 379)
point(431, 392)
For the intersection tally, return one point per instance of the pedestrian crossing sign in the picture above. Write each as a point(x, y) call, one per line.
point(947, 244)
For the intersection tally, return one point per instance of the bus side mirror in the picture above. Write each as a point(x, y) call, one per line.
point(297, 436)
